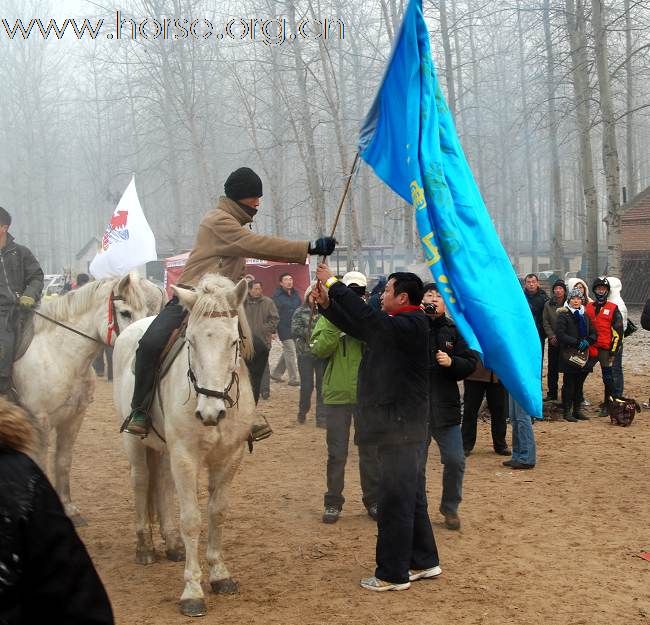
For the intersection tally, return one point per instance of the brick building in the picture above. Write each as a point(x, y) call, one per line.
point(635, 232)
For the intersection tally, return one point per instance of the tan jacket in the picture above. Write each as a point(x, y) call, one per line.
point(223, 243)
point(262, 316)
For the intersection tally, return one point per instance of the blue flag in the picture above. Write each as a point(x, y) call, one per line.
point(409, 139)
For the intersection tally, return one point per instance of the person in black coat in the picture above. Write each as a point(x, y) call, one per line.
point(393, 406)
point(46, 574)
point(536, 298)
point(645, 316)
point(451, 360)
point(574, 331)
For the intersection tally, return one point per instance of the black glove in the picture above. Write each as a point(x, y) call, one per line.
point(323, 246)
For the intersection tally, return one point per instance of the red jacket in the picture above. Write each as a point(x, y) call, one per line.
point(603, 322)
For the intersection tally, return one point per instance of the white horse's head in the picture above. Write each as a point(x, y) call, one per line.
point(217, 337)
point(104, 308)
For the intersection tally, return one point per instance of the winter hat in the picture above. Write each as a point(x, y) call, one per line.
point(560, 283)
point(600, 282)
point(573, 293)
point(243, 183)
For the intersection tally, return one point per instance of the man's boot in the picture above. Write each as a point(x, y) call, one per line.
point(578, 415)
point(567, 415)
point(137, 423)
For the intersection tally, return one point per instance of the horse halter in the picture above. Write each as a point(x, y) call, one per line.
point(234, 380)
point(113, 326)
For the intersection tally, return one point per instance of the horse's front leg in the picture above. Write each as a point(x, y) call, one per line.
point(66, 435)
point(185, 470)
point(222, 471)
point(174, 549)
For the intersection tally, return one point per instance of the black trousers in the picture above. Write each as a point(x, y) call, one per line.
point(310, 370)
point(8, 322)
point(553, 369)
point(572, 393)
point(339, 420)
point(405, 537)
point(150, 348)
point(497, 399)
point(258, 364)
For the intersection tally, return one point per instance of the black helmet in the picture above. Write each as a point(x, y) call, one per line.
point(600, 282)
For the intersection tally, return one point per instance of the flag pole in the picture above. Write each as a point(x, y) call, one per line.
point(345, 193)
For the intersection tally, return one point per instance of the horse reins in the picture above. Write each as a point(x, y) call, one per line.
point(113, 327)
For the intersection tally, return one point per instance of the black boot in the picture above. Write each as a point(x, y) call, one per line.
point(578, 415)
point(567, 416)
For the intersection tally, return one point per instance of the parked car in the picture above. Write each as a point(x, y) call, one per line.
point(53, 285)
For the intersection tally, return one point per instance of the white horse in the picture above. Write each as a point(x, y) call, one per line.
point(207, 403)
point(54, 380)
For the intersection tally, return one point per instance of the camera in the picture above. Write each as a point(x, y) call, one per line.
point(430, 309)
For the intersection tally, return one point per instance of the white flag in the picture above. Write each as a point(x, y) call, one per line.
point(128, 241)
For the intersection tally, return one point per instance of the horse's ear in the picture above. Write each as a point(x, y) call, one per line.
point(124, 284)
point(187, 297)
point(240, 292)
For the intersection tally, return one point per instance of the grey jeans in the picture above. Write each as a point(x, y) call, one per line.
point(287, 362)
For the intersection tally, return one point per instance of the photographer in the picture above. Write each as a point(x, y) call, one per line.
point(451, 360)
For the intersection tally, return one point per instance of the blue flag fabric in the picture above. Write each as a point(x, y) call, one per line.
point(409, 139)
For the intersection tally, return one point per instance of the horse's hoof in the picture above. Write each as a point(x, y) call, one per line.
point(78, 520)
point(193, 607)
point(145, 557)
point(227, 586)
point(175, 555)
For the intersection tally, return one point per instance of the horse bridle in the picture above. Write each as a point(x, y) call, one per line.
point(234, 380)
point(113, 326)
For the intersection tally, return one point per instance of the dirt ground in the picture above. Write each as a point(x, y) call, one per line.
point(556, 545)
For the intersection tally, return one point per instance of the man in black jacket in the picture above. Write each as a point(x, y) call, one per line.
point(451, 360)
point(645, 316)
point(393, 406)
point(536, 298)
point(21, 285)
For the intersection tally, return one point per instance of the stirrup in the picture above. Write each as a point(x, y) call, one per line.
point(260, 432)
point(135, 429)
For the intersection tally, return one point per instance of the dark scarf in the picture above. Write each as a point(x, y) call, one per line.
point(582, 324)
point(251, 212)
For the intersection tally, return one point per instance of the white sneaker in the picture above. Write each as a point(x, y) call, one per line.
point(415, 574)
point(378, 585)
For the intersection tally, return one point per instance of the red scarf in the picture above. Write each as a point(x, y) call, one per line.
point(405, 309)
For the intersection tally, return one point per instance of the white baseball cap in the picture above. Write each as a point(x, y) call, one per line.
point(354, 277)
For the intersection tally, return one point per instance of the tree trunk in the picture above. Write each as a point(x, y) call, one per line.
point(581, 90)
point(610, 152)
point(555, 234)
point(528, 163)
point(449, 67)
point(630, 167)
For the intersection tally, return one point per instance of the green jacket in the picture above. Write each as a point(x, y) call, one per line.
point(344, 353)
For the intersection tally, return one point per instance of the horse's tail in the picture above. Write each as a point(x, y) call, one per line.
point(153, 464)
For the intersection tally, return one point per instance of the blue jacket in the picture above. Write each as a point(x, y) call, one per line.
point(286, 303)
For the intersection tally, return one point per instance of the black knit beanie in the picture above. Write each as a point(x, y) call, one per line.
point(243, 183)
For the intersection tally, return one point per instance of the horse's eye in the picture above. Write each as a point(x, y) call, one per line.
point(126, 314)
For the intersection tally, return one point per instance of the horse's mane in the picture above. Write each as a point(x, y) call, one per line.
point(65, 307)
point(212, 290)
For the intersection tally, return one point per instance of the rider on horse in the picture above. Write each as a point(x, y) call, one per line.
point(21, 285)
point(223, 243)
